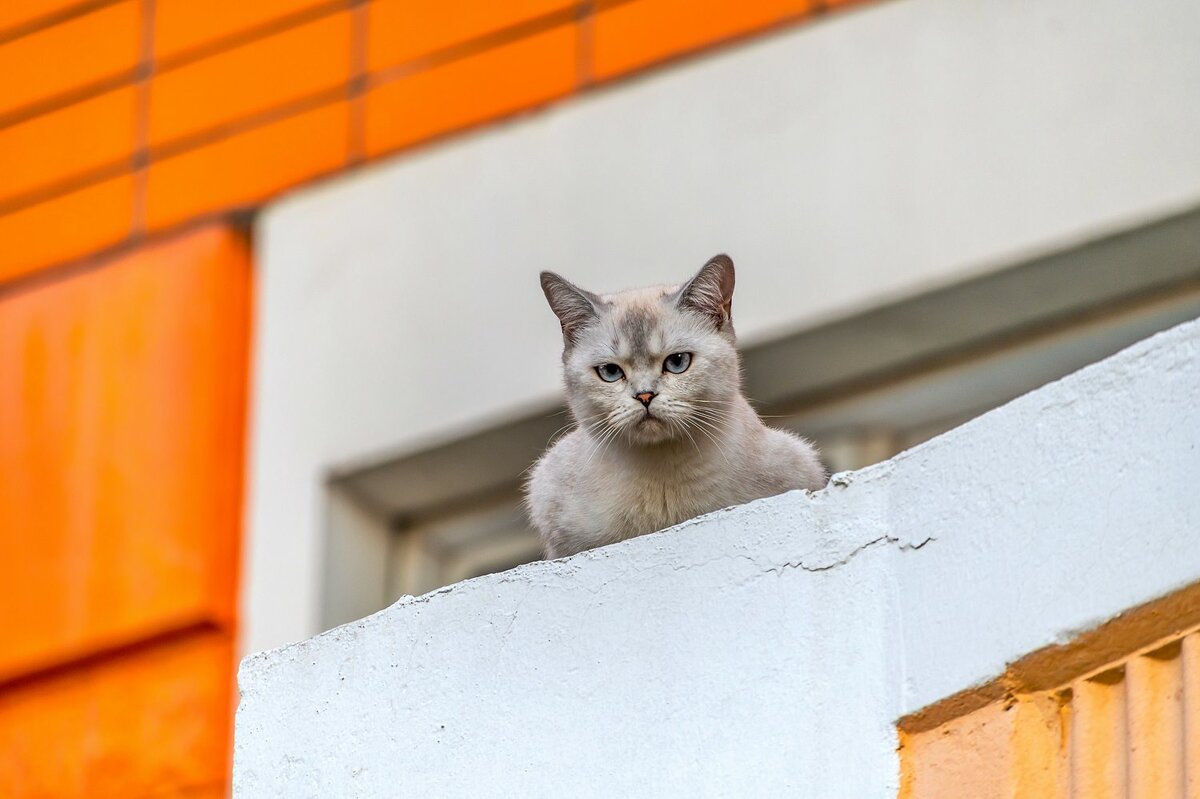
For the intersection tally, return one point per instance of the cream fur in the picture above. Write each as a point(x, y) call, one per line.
point(620, 474)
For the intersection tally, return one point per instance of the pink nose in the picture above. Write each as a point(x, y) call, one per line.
point(645, 397)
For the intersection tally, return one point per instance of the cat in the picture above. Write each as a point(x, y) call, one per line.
point(663, 432)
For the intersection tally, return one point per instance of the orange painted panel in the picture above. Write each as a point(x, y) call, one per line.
point(401, 30)
point(152, 722)
point(183, 25)
point(263, 74)
point(249, 167)
point(66, 227)
point(462, 93)
point(22, 12)
point(69, 55)
point(48, 149)
point(644, 31)
point(121, 436)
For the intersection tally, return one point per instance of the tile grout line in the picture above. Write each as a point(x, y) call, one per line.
point(139, 162)
point(39, 24)
point(355, 89)
point(585, 34)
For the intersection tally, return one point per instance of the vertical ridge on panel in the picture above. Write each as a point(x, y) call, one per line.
point(1039, 751)
point(1190, 668)
point(1154, 686)
point(1098, 737)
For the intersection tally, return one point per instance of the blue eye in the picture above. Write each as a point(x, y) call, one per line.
point(609, 372)
point(677, 362)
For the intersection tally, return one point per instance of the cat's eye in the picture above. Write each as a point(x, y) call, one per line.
point(610, 372)
point(677, 362)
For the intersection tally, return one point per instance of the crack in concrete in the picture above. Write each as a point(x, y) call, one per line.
point(883, 539)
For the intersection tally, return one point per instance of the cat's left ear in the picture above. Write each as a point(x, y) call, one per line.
point(710, 292)
point(574, 307)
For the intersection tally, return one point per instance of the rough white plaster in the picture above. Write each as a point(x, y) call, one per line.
point(868, 156)
point(765, 649)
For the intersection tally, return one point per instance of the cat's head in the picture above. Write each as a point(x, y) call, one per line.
point(649, 366)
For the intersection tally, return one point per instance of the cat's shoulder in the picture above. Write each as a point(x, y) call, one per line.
point(559, 456)
point(794, 455)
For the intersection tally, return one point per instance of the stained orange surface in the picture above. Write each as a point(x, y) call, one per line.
point(121, 426)
point(67, 227)
point(50, 148)
point(644, 31)
point(185, 25)
point(69, 55)
point(471, 90)
point(248, 167)
point(257, 76)
point(400, 30)
point(150, 723)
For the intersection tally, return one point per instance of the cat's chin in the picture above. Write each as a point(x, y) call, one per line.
point(650, 431)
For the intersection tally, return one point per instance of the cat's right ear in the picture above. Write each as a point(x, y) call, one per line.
point(574, 307)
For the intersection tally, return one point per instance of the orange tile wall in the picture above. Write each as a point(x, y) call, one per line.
point(134, 137)
point(132, 116)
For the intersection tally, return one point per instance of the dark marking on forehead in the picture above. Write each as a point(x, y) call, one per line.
point(634, 328)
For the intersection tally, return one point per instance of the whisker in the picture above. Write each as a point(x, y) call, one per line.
point(683, 428)
point(704, 427)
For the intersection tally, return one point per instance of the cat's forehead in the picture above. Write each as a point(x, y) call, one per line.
point(640, 321)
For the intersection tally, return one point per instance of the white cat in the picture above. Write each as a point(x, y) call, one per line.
point(663, 432)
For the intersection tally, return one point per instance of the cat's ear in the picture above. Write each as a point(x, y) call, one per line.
point(710, 292)
point(574, 307)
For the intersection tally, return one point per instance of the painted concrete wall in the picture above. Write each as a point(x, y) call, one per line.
point(872, 156)
point(765, 648)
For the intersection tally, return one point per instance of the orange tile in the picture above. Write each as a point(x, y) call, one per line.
point(152, 722)
point(462, 93)
point(263, 74)
point(182, 25)
point(121, 434)
point(248, 167)
point(644, 31)
point(23, 12)
point(65, 227)
point(68, 56)
point(47, 149)
point(400, 30)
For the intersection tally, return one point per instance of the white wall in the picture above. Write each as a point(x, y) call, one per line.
point(765, 649)
point(844, 163)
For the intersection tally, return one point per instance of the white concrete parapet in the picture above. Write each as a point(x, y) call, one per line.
point(765, 649)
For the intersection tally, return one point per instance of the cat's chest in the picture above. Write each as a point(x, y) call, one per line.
point(648, 499)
